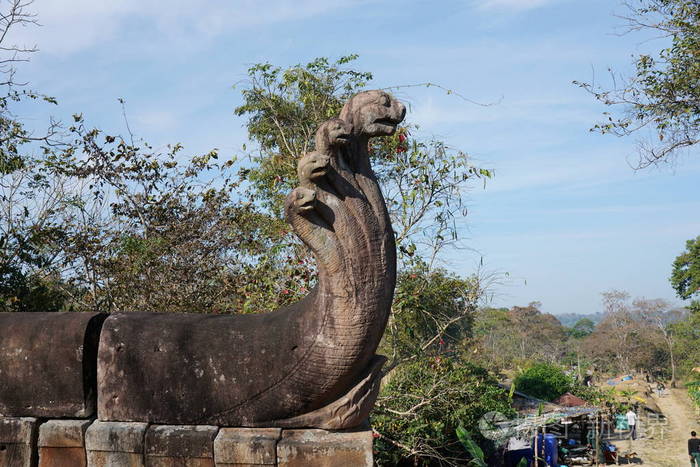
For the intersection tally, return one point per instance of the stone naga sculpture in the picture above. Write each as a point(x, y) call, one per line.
point(312, 364)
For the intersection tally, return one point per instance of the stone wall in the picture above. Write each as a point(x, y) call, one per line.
point(27, 442)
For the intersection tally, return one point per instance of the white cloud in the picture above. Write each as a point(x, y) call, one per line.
point(70, 27)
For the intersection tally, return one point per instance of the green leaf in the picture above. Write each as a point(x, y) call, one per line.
point(470, 445)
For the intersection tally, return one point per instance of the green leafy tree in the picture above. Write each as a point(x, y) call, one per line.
point(663, 95)
point(543, 381)
point(582, 328)
point(685, 277)
point(432, 313)
point(687, 345)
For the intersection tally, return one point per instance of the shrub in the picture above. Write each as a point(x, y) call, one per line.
point(422, 405)
point(543, 381)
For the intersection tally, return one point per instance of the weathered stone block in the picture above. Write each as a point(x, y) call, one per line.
point(180, 445)
point(246, 446)
point(115, 444)
point(18, 437)
point(321, 448)
point(62, 443)
point(48, 364)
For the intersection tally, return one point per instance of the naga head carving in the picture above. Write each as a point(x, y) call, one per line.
point(332, 133)
point(373, 113)
point(312, 167)
point(303, 199)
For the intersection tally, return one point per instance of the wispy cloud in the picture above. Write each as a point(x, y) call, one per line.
point(67, 29)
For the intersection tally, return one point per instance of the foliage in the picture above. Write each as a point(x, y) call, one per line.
point(168, 231)
point(693, 388)
point(570, 319)
point(520, 334)
point(685, 277)
point(122, 227)
point(636, 335)
point(422, 179)
point(663, 95)
point(425, 401)
point(687, 344)
point(592, 394)
point(583, 327)
point(125, 227)
point(476, 453)
point(543, 381)
point(432, 312)
point(31, 207)
point(284, 107)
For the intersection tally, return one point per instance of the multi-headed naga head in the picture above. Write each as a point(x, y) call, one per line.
point(332, 133)
point(373, 113)
point(303, 199)
point(312, 167)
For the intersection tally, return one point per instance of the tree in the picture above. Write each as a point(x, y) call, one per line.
point(663, 95)
point(424, 403)
point(617, 328)
point(658, 315)
point(686, 341)
point(518, 336)
point(432, 313)
point(33, 204)
point(544, 381)
point(685, 277)
point(582, 328)
point(638, 335)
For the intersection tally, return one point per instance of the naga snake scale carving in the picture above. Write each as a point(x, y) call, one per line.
point(312, 364)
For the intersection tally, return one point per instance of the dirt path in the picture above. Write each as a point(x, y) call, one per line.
point(665, 444)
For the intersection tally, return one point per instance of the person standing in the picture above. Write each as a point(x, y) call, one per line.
point(632, 422)
point(660, 388)
point(694, 449)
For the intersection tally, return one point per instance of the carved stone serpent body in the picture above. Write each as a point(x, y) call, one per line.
point(310, 364)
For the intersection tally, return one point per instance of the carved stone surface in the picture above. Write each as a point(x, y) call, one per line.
point(115, 444)
point(321, 448)
point(18, 441)
point(62, 443)
point(246, 446)
point(316, 357)
point(48, 364)
point(168, 445)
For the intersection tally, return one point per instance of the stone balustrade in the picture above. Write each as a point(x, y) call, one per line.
point(28, 442)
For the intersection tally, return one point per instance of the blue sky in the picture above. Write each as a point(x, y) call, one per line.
point(566, 217)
